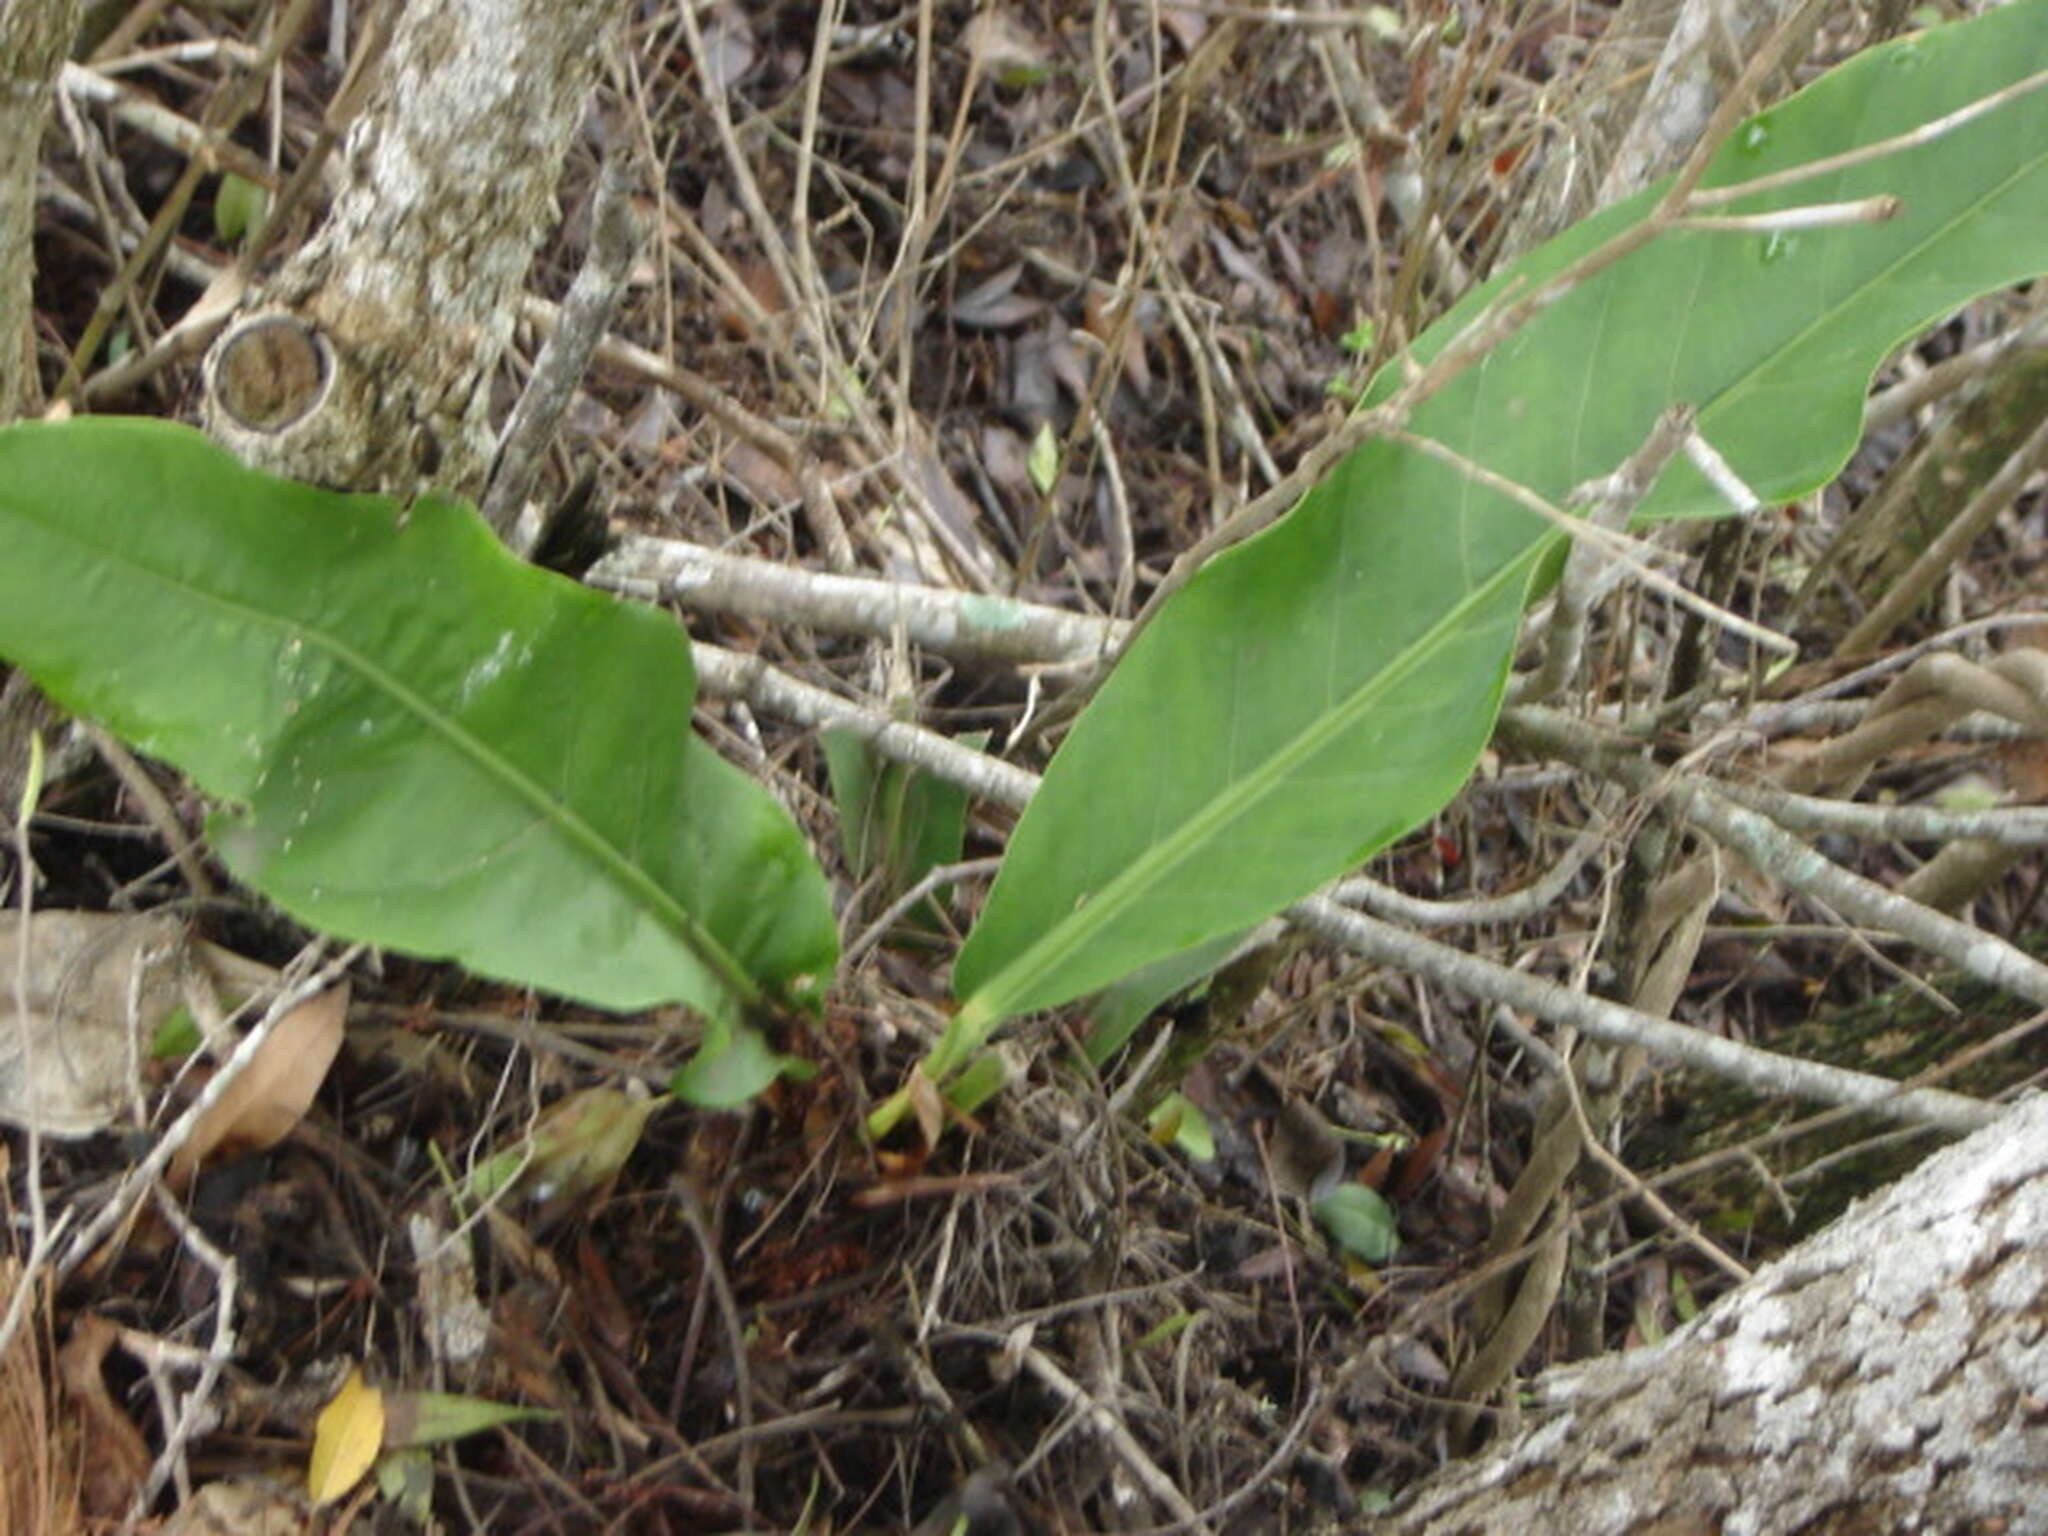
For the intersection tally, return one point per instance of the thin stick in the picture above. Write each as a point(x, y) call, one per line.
point(156, 809)
point(565, 356)
point(1630, 552)
point(1784, 857)
point(966, 626)
point(775, 692)
point(1926, 133)
point(1992, 498)
point(736, 1338)
point(1613, 1024)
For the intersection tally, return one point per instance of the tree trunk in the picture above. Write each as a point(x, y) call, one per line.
point(366, 362)
point(1889, 1375)
point(34, 35)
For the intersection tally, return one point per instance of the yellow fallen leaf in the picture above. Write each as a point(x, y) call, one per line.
point(346, 1439)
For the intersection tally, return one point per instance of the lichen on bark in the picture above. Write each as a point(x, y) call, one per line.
point(1884, 1376)
point(411, 283)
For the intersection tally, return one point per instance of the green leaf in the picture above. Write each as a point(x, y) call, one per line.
point(893, 820)
point(1043, 461)
point(238, 207)
point(1318, 691)
point(1683, 1302)
point(574, 1151)
point(422, 742)
point(979, 1081)
point(406, 1479)
point(1178, 1119)
point(1385, 23)
point(177, 1037)
point(1169, 1330)
point(1115, 1016)
point(734, 1063)
point(1361, 1222)
point(31, 783)
point(431, 1418)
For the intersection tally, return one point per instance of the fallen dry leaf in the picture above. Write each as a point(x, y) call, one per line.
point(1001, 46)
point(927, 1106)
point(271, 1096)
point(346, 1439)
point(455, 1322)
point(994, 304)
point(100, 985)
point(2025, 765)
point(116, 1460)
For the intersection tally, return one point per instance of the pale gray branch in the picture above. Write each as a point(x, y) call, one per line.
point(967, 626)
point(565, 357)
point(2009, 826)
point(1612, 1024)
point(726, 673)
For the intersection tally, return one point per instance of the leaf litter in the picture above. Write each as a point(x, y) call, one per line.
point(718, 1301)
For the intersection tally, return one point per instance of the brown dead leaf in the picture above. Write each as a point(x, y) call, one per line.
point(994, 304)
point(730, 50)
point(100, 985)
point(1002, 48)
point(926, 1105)
point(765, 481)
point(596, 1298)
point(1185, 24)
point(117, 1459)
point(263, 1105)
point(1005, 460)
point(1104, 318)
point(2025, 766)
point(735, 316)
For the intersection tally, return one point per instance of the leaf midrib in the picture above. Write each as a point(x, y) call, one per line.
point(580, 834)
point(1195, 832)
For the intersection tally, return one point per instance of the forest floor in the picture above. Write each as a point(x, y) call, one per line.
point(1047, 1315)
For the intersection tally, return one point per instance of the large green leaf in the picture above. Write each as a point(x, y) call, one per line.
point(421, 741)
point(1318, 691)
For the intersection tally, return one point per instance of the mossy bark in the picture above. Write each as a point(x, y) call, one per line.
point(1815, 1176)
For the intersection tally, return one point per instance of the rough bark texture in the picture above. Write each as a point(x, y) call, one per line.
point(33, 37)
point(1889, 1375)
point(366, 361)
